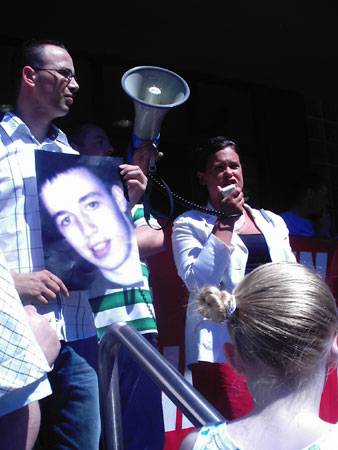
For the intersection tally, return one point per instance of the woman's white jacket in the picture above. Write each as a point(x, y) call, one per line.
point(202, 260)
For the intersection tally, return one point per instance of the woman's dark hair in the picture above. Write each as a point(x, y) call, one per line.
point(205, 149)
point(199, 159)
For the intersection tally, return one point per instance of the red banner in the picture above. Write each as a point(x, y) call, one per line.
point(171, 296)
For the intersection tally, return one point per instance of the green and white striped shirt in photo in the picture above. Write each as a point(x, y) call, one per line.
point(133, 305)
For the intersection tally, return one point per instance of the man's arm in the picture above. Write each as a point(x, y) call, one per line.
point(149, 241)
point(44, 334)
point(19, 406)
point(20, 428)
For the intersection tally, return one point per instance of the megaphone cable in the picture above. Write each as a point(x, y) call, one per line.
point(183, 201)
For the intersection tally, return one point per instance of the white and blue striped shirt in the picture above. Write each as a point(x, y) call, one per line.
point(20, 227)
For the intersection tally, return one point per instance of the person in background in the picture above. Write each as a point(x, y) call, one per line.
point(219, 246)
point(28, 348)
point(283, 321)
point(141, 403)
point(308, 215)
point(47, 88)
point(91, 139)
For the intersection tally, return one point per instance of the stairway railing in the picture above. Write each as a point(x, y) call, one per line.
point(169, 379)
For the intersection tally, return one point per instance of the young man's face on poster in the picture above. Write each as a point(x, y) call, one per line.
point(85, 210)
point(87, 215)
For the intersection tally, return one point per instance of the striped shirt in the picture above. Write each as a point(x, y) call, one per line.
point(20, 227)
point(134, 305)
point(23, 366)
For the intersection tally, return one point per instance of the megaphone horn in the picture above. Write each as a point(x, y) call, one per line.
point(154, 91)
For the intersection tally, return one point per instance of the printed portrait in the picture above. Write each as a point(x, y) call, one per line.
point(87, 232)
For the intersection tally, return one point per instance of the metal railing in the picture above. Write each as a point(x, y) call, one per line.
point(168, 378)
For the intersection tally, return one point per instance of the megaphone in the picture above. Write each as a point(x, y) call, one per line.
point(154, 91)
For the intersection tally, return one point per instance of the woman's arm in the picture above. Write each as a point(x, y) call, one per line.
point(200, 257)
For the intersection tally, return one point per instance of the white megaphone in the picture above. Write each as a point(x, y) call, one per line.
point(154, 91)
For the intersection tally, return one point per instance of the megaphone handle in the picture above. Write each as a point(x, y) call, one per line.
point(137, 144)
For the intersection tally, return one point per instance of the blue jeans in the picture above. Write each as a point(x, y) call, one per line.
point(141, 404)
point(70, 417)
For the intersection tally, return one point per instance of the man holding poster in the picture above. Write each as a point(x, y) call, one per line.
point(47, 87)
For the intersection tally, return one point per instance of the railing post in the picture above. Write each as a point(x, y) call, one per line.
point(192, 404)
point(110, 406)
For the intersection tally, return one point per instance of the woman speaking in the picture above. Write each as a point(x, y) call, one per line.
point(219, 247)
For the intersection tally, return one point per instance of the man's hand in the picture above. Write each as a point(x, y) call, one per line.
point(135, 181)
point(145, 155)
point(39, 287)
point(44, 334)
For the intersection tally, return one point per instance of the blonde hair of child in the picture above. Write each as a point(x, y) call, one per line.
point(281, 315)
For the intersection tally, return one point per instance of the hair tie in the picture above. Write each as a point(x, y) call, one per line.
point(231, 307)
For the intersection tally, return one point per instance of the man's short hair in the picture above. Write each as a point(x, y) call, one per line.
point(30, 53)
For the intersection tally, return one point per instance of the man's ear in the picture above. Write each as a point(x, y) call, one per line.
point(29, 75)
point(119, 197)
point(333, 355)
point(201, 178)
point(233, 358)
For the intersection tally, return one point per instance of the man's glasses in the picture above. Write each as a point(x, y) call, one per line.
point(65, 73)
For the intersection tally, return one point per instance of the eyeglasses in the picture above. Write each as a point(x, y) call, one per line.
point(65, 73)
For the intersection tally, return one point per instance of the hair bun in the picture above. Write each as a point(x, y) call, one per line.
point(215, 304)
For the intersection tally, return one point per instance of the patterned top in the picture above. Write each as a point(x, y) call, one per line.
point(20, 228)
point(134, 305)
point(22, 362)
point(216, 437)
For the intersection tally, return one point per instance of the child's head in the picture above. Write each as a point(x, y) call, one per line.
point(282, 318)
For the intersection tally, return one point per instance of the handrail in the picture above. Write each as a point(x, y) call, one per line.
point(165, 375)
